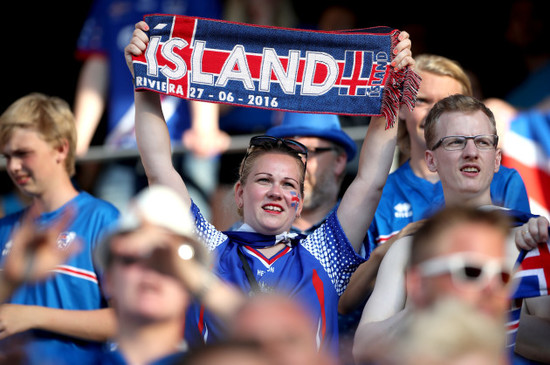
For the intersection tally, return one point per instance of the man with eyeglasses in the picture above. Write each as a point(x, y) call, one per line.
point(460, 133)
point(413, 192)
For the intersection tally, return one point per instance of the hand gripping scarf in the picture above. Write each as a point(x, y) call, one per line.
point(341, 72)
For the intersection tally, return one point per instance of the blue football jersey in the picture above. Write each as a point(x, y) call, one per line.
point(408, 198)
point(314, 270)
point(74, 285)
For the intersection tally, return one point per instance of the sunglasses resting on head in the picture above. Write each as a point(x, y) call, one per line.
point(268, 142)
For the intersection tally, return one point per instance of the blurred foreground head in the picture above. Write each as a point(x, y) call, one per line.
point(141, 254)
point(283, 328)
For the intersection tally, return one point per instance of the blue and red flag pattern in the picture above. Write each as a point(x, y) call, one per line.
point(346, 72)
point(526, 148)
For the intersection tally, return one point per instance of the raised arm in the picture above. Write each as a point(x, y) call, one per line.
point(91, 93)
point(153, 138)
point(386, 306)
point(363, 279)
point(359, 203)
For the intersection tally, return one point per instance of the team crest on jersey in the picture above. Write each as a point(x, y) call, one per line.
point(402, 210)
point(65, 239)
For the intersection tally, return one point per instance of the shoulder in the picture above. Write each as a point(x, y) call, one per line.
point(87, 202)
point(506, 173)
point(400, 173)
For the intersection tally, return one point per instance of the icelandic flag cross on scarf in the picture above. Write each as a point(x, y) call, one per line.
point(345, 72)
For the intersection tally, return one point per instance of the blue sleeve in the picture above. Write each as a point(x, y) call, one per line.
point(205, 230)
point(332, 249)
point(508, 190)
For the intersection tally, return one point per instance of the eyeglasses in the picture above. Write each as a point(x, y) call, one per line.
point(466, 268)
point(127, 260)
point(270, 142)
point(456, 143)
point(318, 150)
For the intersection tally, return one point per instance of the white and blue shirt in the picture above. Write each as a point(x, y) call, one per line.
point(75, 285)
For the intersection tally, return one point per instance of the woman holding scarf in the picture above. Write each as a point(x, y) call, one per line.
point(262, 256)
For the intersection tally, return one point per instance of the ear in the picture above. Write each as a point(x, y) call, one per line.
point(239, 191)
point(340, 164)
point(431, 160)
point(62, 150)
point(498, 159)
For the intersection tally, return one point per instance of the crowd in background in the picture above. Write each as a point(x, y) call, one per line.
point(502, 53)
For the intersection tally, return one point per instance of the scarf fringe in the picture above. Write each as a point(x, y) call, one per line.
point(401, 89)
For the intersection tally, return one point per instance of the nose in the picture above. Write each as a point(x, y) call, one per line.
point(13, 164)
point(274, 192)
point(470, 150)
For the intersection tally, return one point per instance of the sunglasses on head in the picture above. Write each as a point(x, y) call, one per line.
point(467, 269)
point(270, 142)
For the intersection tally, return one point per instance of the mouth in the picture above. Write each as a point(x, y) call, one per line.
point(470, 170)
point(21, 180)
point(272, 208)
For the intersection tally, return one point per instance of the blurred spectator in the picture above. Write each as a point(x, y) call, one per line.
point(457, 255)
point(287, 333)
point(228, 353)
point(329, 151)
point(154, 266)
point(450, 332)
point(62, 318)
point(105, 83)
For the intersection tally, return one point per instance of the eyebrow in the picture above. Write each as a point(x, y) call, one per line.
point(271, 175)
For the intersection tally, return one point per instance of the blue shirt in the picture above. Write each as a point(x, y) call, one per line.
point(115, 357)
point(75, 284)
point(314, 270)
point(408, 198)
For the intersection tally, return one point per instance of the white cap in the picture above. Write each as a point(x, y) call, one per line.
point(161, 206)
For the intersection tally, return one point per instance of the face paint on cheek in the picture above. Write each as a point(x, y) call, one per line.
point(295, 201)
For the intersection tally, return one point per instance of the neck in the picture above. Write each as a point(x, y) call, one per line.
point(59, 193)
point(142, 344)
point(419, 167)
point(476, 200)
